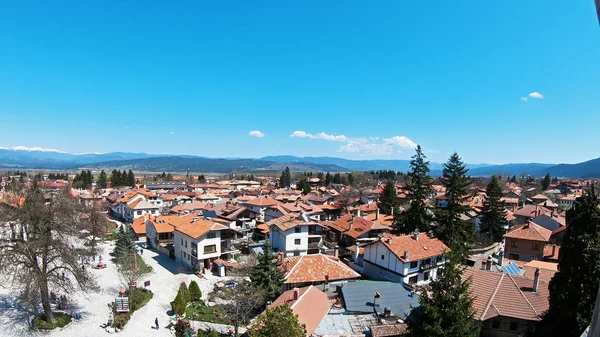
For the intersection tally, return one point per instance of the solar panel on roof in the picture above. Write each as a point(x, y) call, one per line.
point(512, 268)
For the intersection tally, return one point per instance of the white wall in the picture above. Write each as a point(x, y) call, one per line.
point(285, 241)
point(201, 242)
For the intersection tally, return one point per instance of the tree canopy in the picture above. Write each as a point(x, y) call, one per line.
point(267, 276)
point(278, 321)
point(493, 213)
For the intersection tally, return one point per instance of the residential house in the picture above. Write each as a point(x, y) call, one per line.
point(305, 270)
point(507, 305)
point(295, 235)
point(566, 202)
point(411, 259)
point(528, 212)
point(198, 242)
point(526, 242)
point(160, 234)
point(164, 185)
point(349, 229)
point(259, 206)
point(309, 304)
point(555, 223)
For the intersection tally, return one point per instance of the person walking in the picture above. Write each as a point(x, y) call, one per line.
point(156, 322)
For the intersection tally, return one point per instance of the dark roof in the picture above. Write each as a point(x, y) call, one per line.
point(550, 223)
point(359, 296)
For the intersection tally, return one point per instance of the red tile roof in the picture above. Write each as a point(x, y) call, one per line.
point(529, 231)
point(353, 226)
point(262, 201)
point(423, 248)
point(311, 306)
point(500, 294)
point(313, 268)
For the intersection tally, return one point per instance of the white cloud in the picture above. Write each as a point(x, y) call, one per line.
point(172, 132)
point(321, 135)
point(35, 149)
point(536, 94)
point(256, 133)
point(401, 142)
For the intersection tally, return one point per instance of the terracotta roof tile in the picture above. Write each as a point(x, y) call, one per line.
point(311, 306)
point(313, 268)
point(529, 231)
point(423, 248)
point(262, 201)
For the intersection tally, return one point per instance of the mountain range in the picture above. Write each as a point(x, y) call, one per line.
point(36, 158)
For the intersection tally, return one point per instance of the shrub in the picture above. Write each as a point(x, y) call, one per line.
point(179, 305)
point(195, 291)
point(185, 292)
point(180, 328)
point(121, 319)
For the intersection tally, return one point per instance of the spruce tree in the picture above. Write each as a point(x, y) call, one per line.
point(455, 232)
point(185, 292)
point(304, 186)
point(130, 179)
point(102, 181)
point(266, 275)
point(389, 199)
point(195, 291)
point(546, 182)
point(350, 179)
point(446, 310)
point(286, 178)
point(574, 287)
point(178, 305)
point(419, 189)
point(327, 179)
point(493, 213)
point(115, 178)
point(125, 245)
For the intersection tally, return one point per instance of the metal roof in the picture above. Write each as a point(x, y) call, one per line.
point(512, 269)
point(359, 296)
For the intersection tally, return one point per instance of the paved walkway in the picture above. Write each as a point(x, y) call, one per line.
point(164, 283)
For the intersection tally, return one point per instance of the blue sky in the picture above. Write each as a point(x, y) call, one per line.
point(356, 80)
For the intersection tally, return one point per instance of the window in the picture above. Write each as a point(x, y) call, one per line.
point(426, 276)
point(414, 264)
point(185, 243)
point(210, 249)
point(382, 257)
point(514, 244)
point(413, 279)
point(182, 241)
point(496, 324)
point(513, 325)
point(298, 230)
point(297, 241)
point(535, 246)
point(211, 235)
point(428, 261)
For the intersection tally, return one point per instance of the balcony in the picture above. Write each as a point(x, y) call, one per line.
point(428, 266)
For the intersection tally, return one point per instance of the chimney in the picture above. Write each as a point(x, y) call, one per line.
point(296, 294)
point(483, 263)
point(406, 255)
point(488, 266)
point(357, 252)
point(500, 258)
point(376, 299)
point(430, 234)
point(416, 236)
point(392, 211)
point(553, 250)
point(358, 212)
point(536, 280)
point(336, 251)
point(377, 214)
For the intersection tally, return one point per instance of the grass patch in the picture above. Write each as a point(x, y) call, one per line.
point(144, 268)
point(60, 320)
point(138, 298)
point(198, 311)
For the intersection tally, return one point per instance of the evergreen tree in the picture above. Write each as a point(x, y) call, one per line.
point(350, 179)
point(304, 186)
point(286, 178)
point(513, 179)
point(102, 180)
point(130, 179)
point(493, 213)
point(457, 233)
point(278, 321)
point(201, 179)
point(266, 275)
point(327, 179)
point(185, 292)
point(321, 177)
point(337, 178)
point(125, 245)
point(195, 291)
point(178, 305)
point(546, 182)
point(169, 177)
point(115, 178)
point(447, 309)
point(389, 199)
point(574, 287)
point(419, 189)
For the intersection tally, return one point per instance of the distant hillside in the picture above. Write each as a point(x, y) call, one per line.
point(533, 169)
point(58, 160)
point(216, 165)
point(352, 165)
point(587, 169)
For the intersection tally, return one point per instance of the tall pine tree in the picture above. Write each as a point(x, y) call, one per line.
point(388, 203)
point(266, 275)
point(574, 287)
point(419, 189)
point(327, 179)
point(493, 214)
point(102, 180)
point(286, 178)
point(447, 308)
point(457, 233)
point(115, 178)
point(546, 182)
point(130, 179)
